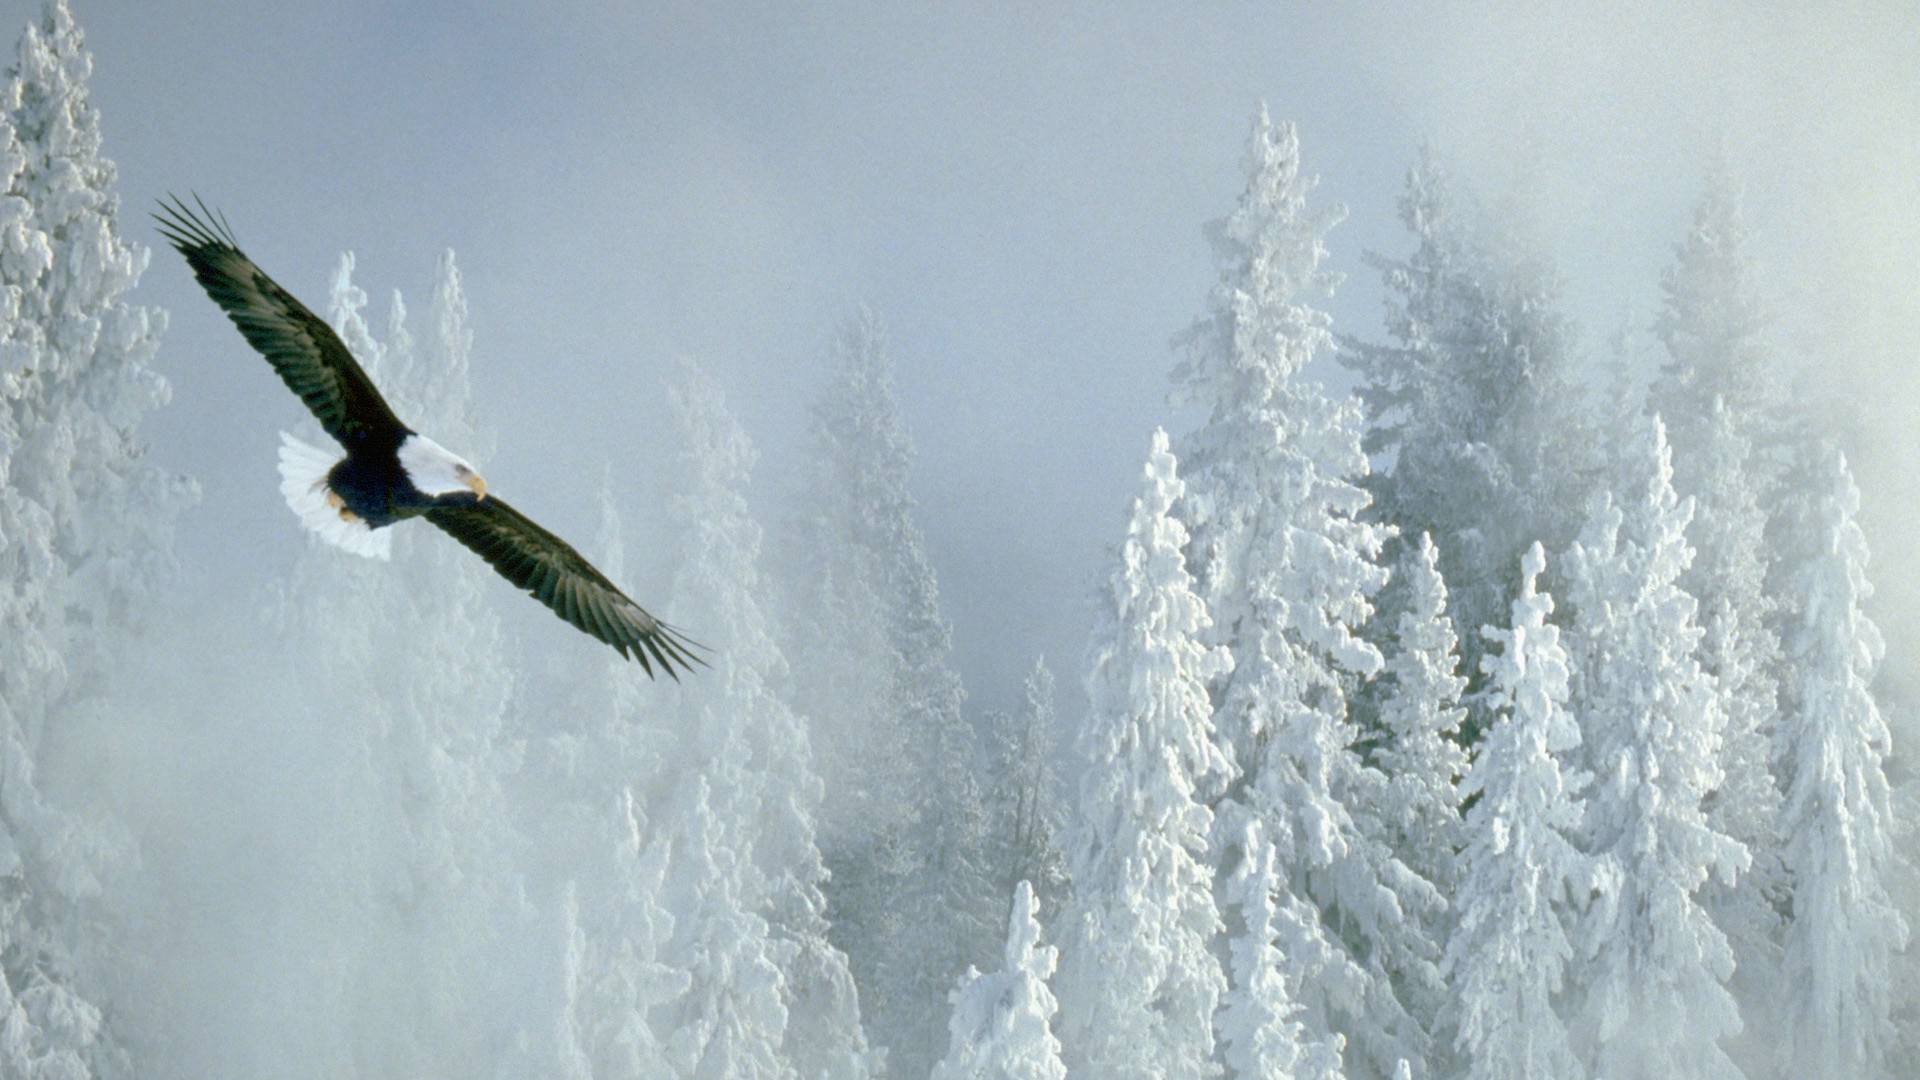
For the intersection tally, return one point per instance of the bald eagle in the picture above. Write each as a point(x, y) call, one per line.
point(389, 472)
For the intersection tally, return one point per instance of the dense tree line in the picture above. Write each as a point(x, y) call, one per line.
point(1458, 727)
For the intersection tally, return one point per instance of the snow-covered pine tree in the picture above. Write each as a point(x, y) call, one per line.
point(85, 528)
point(1024, 807)
point(1509, 953)
point(731, 1018)
point(1654, 980)
point(1139, 980)
point(753, 759)
point(1832, 745)
point(1287, 567)
point(1474, 402)
point(910, 899)
point(1419, 726)
point(1260, 1034)
point(584, 826)
point(415, 855)
point(1721, 398)
point(1000, 1027)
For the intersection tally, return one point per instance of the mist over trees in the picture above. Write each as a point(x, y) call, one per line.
point(1469, 724)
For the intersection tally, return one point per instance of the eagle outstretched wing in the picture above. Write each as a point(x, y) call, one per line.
point(559, 577)
point(309, 356)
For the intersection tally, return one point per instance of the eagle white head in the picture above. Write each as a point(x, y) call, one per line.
point(435, 470)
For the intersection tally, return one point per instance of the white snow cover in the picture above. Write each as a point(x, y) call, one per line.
point(1000, 1021)
point(303, 482)
point(1139, 981)
point(1510, 948)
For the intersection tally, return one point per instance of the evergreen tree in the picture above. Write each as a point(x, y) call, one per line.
point(417, 712)
point(751, 761)
point(1024, 803)
point(1475, 402)
point(730, 1021)
point(1419, 725)
point(1139, 981)
point(1287, 567)
point(909, 895)
point(1261, 1037)
point(1000, 1021)
point(1832, 746)
point(1722, 401)
point(1508, 956)
point(1655, 980)
point(85, 530)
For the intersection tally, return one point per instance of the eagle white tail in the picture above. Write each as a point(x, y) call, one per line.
point(303, 480)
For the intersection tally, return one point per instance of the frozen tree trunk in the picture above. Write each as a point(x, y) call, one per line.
point(1140, 980)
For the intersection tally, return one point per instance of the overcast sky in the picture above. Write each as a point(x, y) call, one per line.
point(1017, 190)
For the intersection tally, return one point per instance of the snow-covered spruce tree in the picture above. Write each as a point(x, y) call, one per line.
point(1000, 1027)
point(584, 826)
point(1139, 980)
point(85, 528)
point(1419, 726)
point(1509, 953)
point(909, 897)
point(731, 1019)
point(1474, 400)
point(416, 861)
point(1024, 803)
point(1287, 567)
point(1260, 1034)
point(1654, 979)
point(751, 759)
point(1722, 399)
point(1832, 746)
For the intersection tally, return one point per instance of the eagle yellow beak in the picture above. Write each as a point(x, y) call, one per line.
point(479, 485)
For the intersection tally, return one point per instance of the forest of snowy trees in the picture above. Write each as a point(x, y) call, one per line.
point(1507, 718)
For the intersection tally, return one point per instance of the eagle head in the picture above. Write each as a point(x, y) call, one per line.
point(435, 471)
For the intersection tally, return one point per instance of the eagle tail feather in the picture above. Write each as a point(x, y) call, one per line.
point(303, 481)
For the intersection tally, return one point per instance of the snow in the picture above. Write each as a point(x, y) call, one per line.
point(1430, 735)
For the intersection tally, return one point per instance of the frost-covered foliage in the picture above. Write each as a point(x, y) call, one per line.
point(1288, 568)
point(1475, 401)
point(1655, 971)
point(1721, 398)
point(1000, 1027)
point(1024, 799)
point(417, 707)
point(910, 898)
point(1139, 981)
point(1832, 745)
point(85, 532)
point(1260, 1034)
point(785, 1003)
point(1419, 723)
point(1507, 960)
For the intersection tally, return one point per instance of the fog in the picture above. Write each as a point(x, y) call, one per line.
point(1018, 195)
point(1017, 192)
